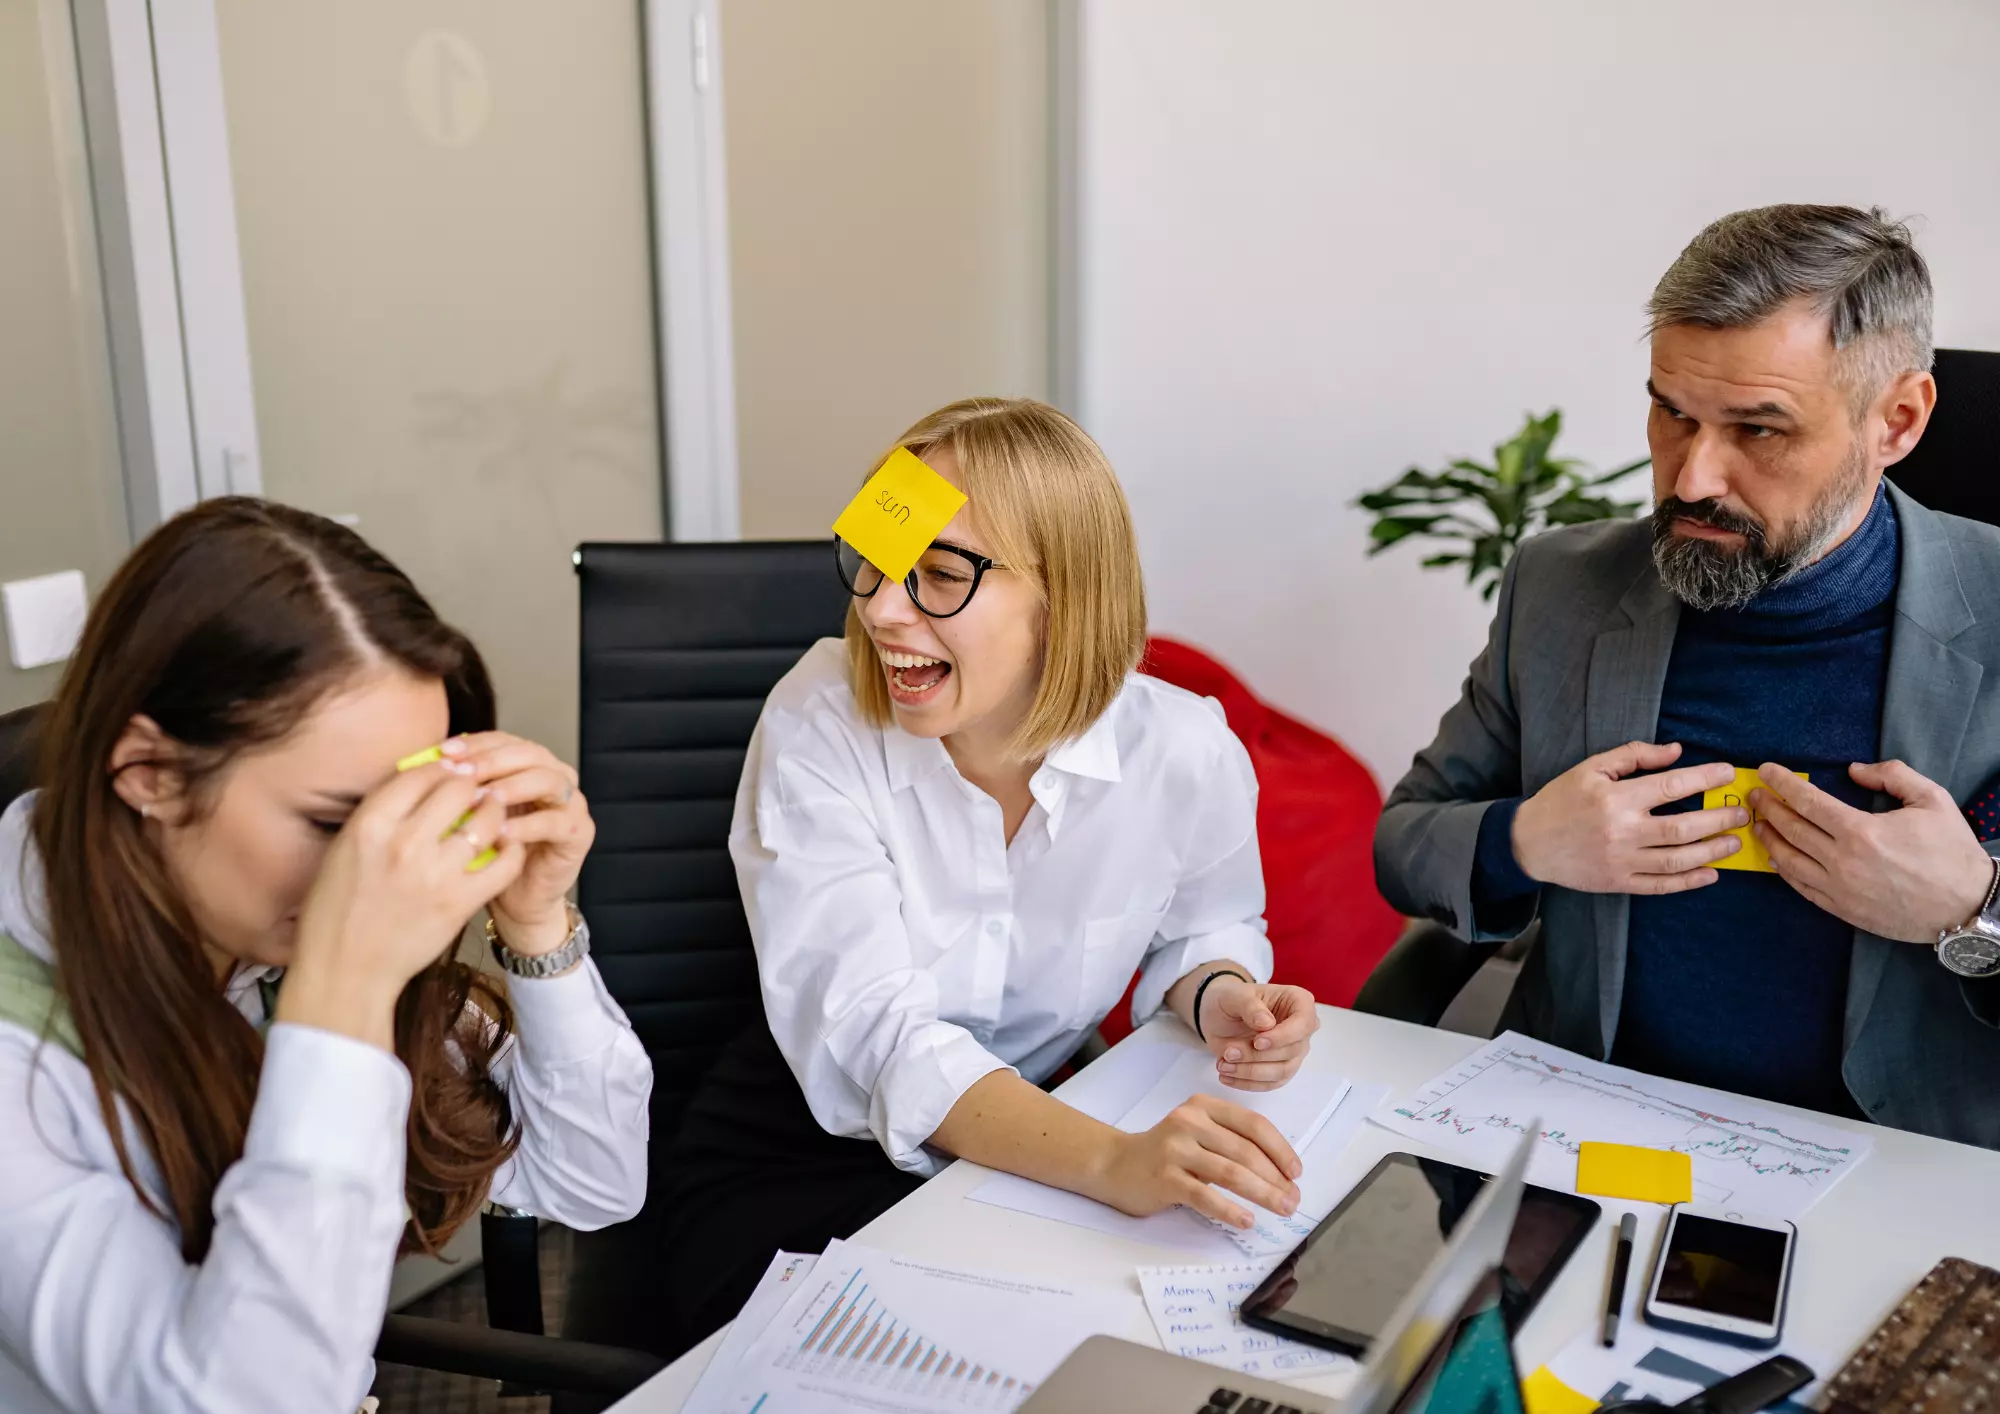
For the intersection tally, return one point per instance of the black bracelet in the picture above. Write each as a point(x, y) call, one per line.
point(1196, 1010)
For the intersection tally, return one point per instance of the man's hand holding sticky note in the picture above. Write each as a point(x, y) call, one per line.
point(898, 514)
point(1639, 1175)
point(1753, 855)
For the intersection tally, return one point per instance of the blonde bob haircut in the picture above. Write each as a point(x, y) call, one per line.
point(1045, 498)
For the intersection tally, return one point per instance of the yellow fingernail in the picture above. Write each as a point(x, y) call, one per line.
point(420, 758)
point(482, 859)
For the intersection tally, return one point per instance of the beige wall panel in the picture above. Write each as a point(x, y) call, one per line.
point(61, 499)
point(888, 191)
point(443, 211)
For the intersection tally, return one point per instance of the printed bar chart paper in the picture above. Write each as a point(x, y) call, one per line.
point(711, 1393)
point(879, 1332)
point(1744, 1155)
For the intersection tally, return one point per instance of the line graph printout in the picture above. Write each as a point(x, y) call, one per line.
point(872, 1331)
point(1745, 1155)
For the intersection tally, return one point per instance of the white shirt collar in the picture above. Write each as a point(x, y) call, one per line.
point(911, 758)
point(1094, 754)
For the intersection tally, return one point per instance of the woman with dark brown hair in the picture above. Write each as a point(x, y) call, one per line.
point(241, 1067)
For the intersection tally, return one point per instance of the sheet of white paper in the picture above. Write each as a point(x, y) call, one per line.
point(1198, 1312)
point(711, 1392)
point(1745, 1156)
point(1117, 1080)
point(1319, 1189)
point(1649, 1363)
point(1297, 1108)
point(872, 1330)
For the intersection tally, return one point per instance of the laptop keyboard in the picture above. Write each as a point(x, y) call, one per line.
point(1228, 1401)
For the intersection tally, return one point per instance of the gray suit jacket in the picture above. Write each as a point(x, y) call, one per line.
point(1574, 665)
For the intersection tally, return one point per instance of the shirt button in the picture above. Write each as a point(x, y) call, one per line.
point(993, 929)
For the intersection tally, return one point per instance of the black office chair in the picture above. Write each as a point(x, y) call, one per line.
point(20, 733)
point(1956, 467)
point(681, 644)
point(1419, 978)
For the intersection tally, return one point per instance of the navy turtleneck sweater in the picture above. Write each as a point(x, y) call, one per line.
point(1743, 985)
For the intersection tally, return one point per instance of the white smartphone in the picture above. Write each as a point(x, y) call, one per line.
point(1722, 1275)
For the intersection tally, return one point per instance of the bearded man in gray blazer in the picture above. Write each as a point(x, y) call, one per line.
point(1785, 611)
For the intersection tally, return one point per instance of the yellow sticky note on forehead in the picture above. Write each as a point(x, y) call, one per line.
point(1753, 855)
point(898, 513)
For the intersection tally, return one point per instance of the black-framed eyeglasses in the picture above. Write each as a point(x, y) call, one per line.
point(941, 584)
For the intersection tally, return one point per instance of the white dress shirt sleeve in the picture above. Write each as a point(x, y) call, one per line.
point(1217, 910)
point(578, 1081)
point(854, 1015)
point(283, 1311)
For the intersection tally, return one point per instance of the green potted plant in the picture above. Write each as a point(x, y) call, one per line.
point(1485, 512)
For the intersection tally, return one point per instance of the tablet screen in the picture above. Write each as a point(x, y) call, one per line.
point(1346, 1280)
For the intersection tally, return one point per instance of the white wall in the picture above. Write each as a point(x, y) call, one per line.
point(1322, 241)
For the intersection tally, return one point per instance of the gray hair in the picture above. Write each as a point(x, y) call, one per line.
point(1858, 269)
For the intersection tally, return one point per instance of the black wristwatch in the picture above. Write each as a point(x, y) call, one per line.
point(1973, 948)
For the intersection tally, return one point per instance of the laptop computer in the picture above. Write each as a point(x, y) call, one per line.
point(1445, 1351)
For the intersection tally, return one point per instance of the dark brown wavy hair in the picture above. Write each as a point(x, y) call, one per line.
point(226, 626)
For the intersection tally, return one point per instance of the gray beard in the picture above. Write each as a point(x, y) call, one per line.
point(1705, 575)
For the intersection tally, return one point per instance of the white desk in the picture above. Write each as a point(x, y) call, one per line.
point(1913, 1201)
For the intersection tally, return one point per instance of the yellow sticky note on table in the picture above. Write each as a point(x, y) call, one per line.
point(1543, 1393)
point(1641, 1175)
point(1753, 855)
point(898, 513)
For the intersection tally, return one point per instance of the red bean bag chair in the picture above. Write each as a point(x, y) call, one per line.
point(1316, 812)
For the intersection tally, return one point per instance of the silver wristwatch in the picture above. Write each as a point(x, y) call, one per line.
point(575, 948)
point(1973, 949)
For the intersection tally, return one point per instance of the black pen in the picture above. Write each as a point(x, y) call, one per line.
point(1621, 1266)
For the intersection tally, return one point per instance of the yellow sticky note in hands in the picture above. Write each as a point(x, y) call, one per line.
point(1753, 855)
point(1640, 1175)
point(898, 513)
point(424, 758)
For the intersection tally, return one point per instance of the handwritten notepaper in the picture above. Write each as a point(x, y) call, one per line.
point(898, 513)
point(1269, 1234)
point(1198, 1312)
point(1753, 855)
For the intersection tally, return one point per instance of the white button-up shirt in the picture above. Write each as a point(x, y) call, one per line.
point(906, 949)
point(98, 1312)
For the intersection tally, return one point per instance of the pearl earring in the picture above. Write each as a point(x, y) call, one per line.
point(145, 812)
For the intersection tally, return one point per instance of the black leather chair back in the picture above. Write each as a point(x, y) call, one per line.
point(681, 644)
point(1956, 467)
point(20, 736)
